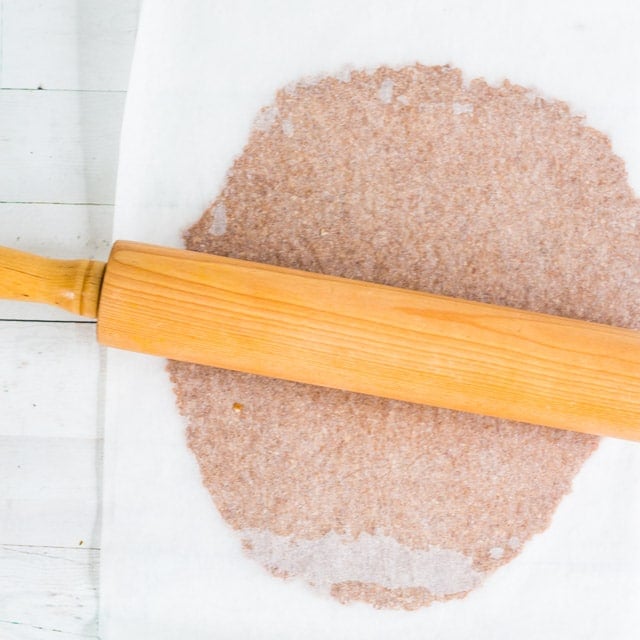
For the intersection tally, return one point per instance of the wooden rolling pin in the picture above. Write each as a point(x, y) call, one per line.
point(347, 334)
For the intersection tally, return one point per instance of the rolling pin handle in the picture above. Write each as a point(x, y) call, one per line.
point(73, 285)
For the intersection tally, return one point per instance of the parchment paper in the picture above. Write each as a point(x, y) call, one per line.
point(170, 566)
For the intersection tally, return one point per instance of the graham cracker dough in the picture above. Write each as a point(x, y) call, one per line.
point(412, 178)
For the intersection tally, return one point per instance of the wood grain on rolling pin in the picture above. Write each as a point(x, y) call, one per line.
point(373, 339)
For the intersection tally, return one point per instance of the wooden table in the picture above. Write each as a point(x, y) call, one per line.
point(64, 68)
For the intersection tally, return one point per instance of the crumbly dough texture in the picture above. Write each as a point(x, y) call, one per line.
point(409, 177)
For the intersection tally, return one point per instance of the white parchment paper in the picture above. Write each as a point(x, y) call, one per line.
point(171, 568)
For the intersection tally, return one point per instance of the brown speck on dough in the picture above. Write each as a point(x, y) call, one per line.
point(412, 178)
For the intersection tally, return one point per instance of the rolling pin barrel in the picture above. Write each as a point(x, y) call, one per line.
point(373, 339)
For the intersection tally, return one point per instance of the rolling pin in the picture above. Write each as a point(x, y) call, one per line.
point(347, 334)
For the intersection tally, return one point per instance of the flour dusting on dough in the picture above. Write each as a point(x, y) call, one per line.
point(375, 559)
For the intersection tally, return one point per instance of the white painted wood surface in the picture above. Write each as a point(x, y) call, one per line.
point(68, 44)
point(64, 68)
point(59, 146)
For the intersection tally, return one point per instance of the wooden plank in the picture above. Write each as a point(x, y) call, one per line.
point(48, 592)
point(26, 631)
point(49, 380)
point(50, 491)
point(57, 231)
point(66, 44)
point(1, 39)
point(59, 147)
